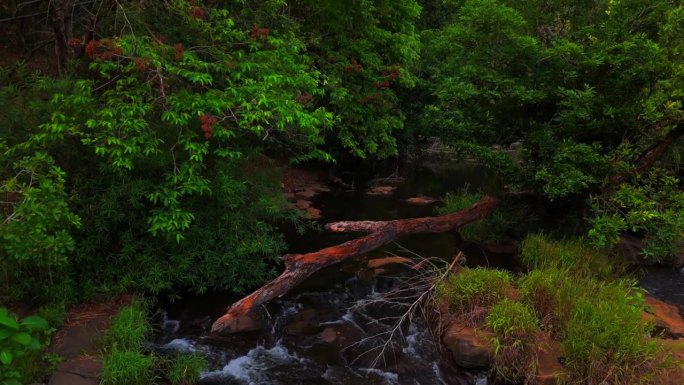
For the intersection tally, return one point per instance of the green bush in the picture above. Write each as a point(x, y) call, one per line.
point(575, 256)
point(19, 340)
point(127, 367)
point(129, 328)
point(185, 369)
point(478, 287)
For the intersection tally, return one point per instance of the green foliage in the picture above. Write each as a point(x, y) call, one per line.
point(129, 328)
point(491, 228)
point(653, 206)
point(185, 369)
point(18, 339)
point(478, 287)
point(127, 367)
point(573, 85)
point(573, 255)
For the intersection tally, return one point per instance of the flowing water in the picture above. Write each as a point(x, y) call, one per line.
point(318, 334)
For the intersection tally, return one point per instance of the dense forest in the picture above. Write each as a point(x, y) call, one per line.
point(143, 143)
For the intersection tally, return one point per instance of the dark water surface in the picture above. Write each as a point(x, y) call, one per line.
point(316, 335)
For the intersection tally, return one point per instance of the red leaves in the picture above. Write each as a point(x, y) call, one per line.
point(197, 13)
point(178, 49)
point(208, 121)
point(102, 49)
point(260, 33)
point(353, 67)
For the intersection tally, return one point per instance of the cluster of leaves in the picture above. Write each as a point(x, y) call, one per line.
point(141, 167)
point(18, 339)
point(574, 85)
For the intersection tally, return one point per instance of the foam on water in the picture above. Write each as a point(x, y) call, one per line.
point(180, 345)
point(253, 367)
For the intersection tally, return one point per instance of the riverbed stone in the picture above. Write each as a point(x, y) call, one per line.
point(469, 347)
point(665, 316)
point(421, 200)
point(381, 190)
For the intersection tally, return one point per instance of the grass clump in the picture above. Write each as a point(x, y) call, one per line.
point(130, 327)
point(574, 256)
point(185, 369)
point(552, 294)
point(123, 362)
point(475, 288)
point(127, 367)
point(516, 328)
point(607, 339)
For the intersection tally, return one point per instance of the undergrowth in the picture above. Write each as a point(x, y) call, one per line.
point(574, 297)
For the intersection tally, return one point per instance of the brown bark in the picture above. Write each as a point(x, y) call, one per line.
point(298, 267)
point(653, 154)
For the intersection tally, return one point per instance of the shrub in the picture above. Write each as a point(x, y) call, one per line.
point(127, 367)
point(473, 288)
point(516, 328)
point(575, 256)
point(185, 369)
point(18, 340)
point(129, 328)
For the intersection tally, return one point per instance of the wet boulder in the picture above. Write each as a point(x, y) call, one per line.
point(469, 347)
point(665, 316)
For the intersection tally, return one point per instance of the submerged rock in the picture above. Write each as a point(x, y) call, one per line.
point(421, 200)
point(381, 190)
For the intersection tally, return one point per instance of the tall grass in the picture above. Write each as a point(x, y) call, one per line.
point(185, 369)
point(574, 256)
point(478, 287)
point(130, 327)
point(127, 367)
point(123, 360)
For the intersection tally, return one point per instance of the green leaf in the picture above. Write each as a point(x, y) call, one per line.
point(34, 323)
point(8, 321)
point(11, 381)
point(4, 333)
point(6, 357)
point(22, 338)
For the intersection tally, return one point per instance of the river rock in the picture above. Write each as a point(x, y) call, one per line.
point(381, 190)
point(665, 316)
point(421, 200)
point(469, 347)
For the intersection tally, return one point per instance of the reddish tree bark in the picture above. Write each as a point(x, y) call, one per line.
point(298, 267)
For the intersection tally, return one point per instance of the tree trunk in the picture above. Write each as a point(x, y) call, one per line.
point(298, 267)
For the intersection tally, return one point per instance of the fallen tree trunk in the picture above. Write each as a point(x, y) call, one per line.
point(298, 267)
